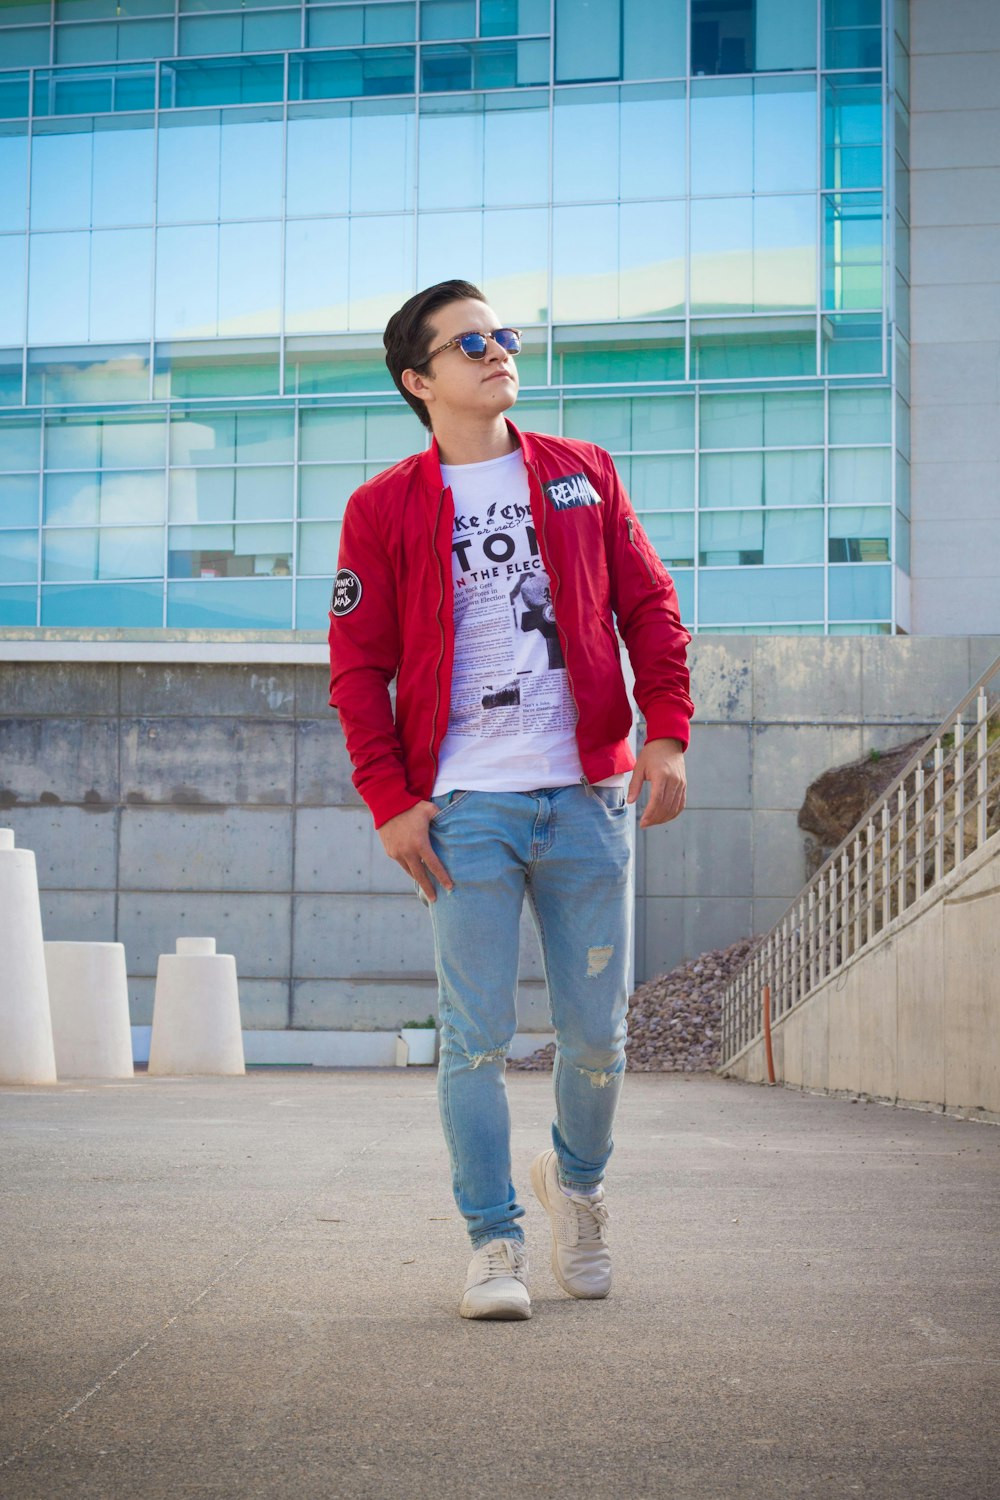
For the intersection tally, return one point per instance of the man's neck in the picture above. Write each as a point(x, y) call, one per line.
point(471, 444)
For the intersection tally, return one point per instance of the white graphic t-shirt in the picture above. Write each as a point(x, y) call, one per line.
point(512, 718)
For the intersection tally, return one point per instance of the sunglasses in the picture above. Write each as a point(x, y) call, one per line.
point(474, 345)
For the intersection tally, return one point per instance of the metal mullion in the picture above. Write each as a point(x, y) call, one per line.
point(550, 215)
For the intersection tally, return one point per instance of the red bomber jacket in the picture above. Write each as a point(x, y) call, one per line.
point(391, 617)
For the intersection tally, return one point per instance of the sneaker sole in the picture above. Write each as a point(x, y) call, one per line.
point(538, 1187)
point(508, 1312)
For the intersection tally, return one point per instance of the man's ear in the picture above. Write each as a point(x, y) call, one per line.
point(418, 385)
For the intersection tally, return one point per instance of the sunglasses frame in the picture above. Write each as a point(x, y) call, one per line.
point(478, 332)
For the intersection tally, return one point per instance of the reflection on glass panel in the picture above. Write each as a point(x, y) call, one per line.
point(18, 498)
point(652, 131)
point(381, 268)
point(390, 433)
point(860, 592)
point(13, 178)
point(61, 172)
point(651, 256)
point(188, 168)
point(852, 131)
point(735, 421)
point(121, 302)
point(515, 149)
point(721, 254)
point(250, 158)
point(351, 75)
point(585, 145)
point(249, 279)
point(319, 159)
point(230, 551)
point(861, 416)
point(18, 555)
point(860, 476)
point(25, 46)
point(123, 171)
point(312, 604)
point(792, 418)
point(662, 422)
point(15, 100)
point(230, 80)
point(325, 366)
point(238, 33)
point(852, 250)
point(484, 65)
point(661, 482)
point(95, 10)
point(352, 25)
point(131, 39)
point(585, 262)
point(672, 535)
point(618, 355)
point(654, 38)
point(722, 136)
point(447, 242)
point(588, 40)
point(443, 19)
point(784, 35)
point(117, 604)
point(731, 479)
point(853, 36)
point(263, 493)
point(220, 367)
point(324, 489)
point(734, 350)
point(13, 248)
point(749, 595)
point(451, 153)
point(100, 376)
point(722, 36)
point(784, 135)
point(23, 12)
point(902, 484)
point(490, 149)
point(852, 344)
point(20, 439)
point(83, 554)
point(608, 423)
point(382, 154)
point(256, 603)
point(731, 540)
point(515, 277)
point(18, 606)
point(58, 288)
point(187, 282)
point(513, 17)
point(793, 478)
point(111, 496)
point(539, 416)
point(316, 295)
point(245, 494)
point(859, 533)
point(226, 437)
point(332, 432)
point(119, 87)
point(318, 543)
point(902, 554)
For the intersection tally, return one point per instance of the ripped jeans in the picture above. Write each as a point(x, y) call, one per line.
point(568, 849)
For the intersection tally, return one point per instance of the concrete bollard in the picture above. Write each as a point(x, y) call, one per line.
point(196, 1012)
point(26, 1051)
point(88, 1001)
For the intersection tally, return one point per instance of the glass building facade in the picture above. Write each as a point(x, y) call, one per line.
point(696, 210)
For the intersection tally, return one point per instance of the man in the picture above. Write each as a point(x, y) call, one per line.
point(502, 774)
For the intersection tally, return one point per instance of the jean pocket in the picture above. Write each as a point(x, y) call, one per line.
point(446, 804)
point(613, 797)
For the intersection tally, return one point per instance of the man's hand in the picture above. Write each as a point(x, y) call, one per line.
point(661, 763)
point(406, 840)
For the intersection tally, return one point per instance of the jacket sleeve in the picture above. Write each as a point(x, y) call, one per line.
point(644, 600)
point(364, 659)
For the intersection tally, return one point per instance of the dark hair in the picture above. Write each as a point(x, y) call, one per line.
point(407, 333)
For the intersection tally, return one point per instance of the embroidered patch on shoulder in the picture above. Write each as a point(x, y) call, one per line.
point(346, 592)
point(571, 490)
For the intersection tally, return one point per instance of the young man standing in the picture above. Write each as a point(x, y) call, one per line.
point(485, 575)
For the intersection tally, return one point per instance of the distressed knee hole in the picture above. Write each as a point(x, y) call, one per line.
point(599, 1079)
point(498, 1054)
point(598, 960)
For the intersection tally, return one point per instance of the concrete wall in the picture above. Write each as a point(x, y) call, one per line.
point(914, 1020)
point(166, 798)
point(955, 315)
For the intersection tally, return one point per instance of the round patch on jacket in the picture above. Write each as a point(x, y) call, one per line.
point(346, 592)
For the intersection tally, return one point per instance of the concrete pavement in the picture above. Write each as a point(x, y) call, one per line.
point(248, 1288)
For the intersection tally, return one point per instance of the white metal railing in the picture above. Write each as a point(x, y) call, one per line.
point(942, 806)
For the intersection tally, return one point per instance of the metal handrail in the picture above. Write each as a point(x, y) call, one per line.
point(942, 807)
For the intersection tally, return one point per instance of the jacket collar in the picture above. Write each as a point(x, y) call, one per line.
point(430, 459)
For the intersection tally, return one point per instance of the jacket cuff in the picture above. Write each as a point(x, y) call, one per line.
point(664, 722)
point(387, 799)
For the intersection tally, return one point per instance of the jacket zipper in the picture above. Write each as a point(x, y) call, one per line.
point(632, 543)
point(437, 670)
point(555, 594)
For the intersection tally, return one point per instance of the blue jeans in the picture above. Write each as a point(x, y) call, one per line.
point(568, 849)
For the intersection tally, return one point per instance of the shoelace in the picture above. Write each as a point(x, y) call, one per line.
point(501, 1262)
point(592, 1220)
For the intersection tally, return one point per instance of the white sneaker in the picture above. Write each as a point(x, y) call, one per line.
point(497, 1283)
point(581, 1260)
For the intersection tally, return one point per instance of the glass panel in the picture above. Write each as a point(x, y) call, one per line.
point(732, 479)
point(608, 423)
point(324, 489)
point(125, 605)
point(862, 416)
point(19, 499)
point(18, 12)
point(651, 145)
point(902, 484)
point(250, 159)
point(230, 80)
point(515, 277)
point(319, 367)
point(732, 421)
point(721, 254)
point(230, 551)
point(319, 160)
point(382, 156)
point(651, 259)
point(12, 305)
point(121, 301)
point(316, 281)
point(793, 536)
point(513, 17)
point(539, 416)
point(348, 25)
point(757, 595)
point(902, 554)
point(851, 46)
point(793, 418)
point(735, 351)
point(852, 344)
point(332, 433)
point(445, 241)
point(249, 279)
point(442, 19)
point(84, 91)
point(13, 178)
point(10, 377)
point(673, 537)
point(123, 184)
point(852, 246)
point(662, 422)
point(860, 475)
point(96, 376)
point(264, 493)
point(58, 288)
point(237, 367)
point(61, 170)
point(860, 592)
point(25, 46)
point(202, 494)
point(19, 443)
point(731, 539)
point(389, 433)
point(722, 36)
point(784, 134)
point(654, 38)
point(263, 603)
point(602, 356)
point(68, 555)
point(111, 496)
point(585, 263)
point(722, 136)
point(661, 483)
point(585, 145)
point(349, 75)
point(784, 35)
point(130, 552)
point(381, 261)
point(15, 101)
point(852, 131)
point(793, 478)
point(187, 282)
point(18, 606)
point(238, 33)
point(188, 168)
point(131, 39)
point(588, 40)
point(451, 153)
point(18, 555)
point(318, 543)
point(859, 533)
point(515, 149)
point(312, 604)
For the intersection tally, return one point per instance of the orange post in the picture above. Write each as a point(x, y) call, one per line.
point(767, 1033)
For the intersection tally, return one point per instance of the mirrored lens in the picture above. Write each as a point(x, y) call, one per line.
point(473, 344)
point(509, 339)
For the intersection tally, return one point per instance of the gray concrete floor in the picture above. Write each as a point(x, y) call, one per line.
point(249, 1287)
